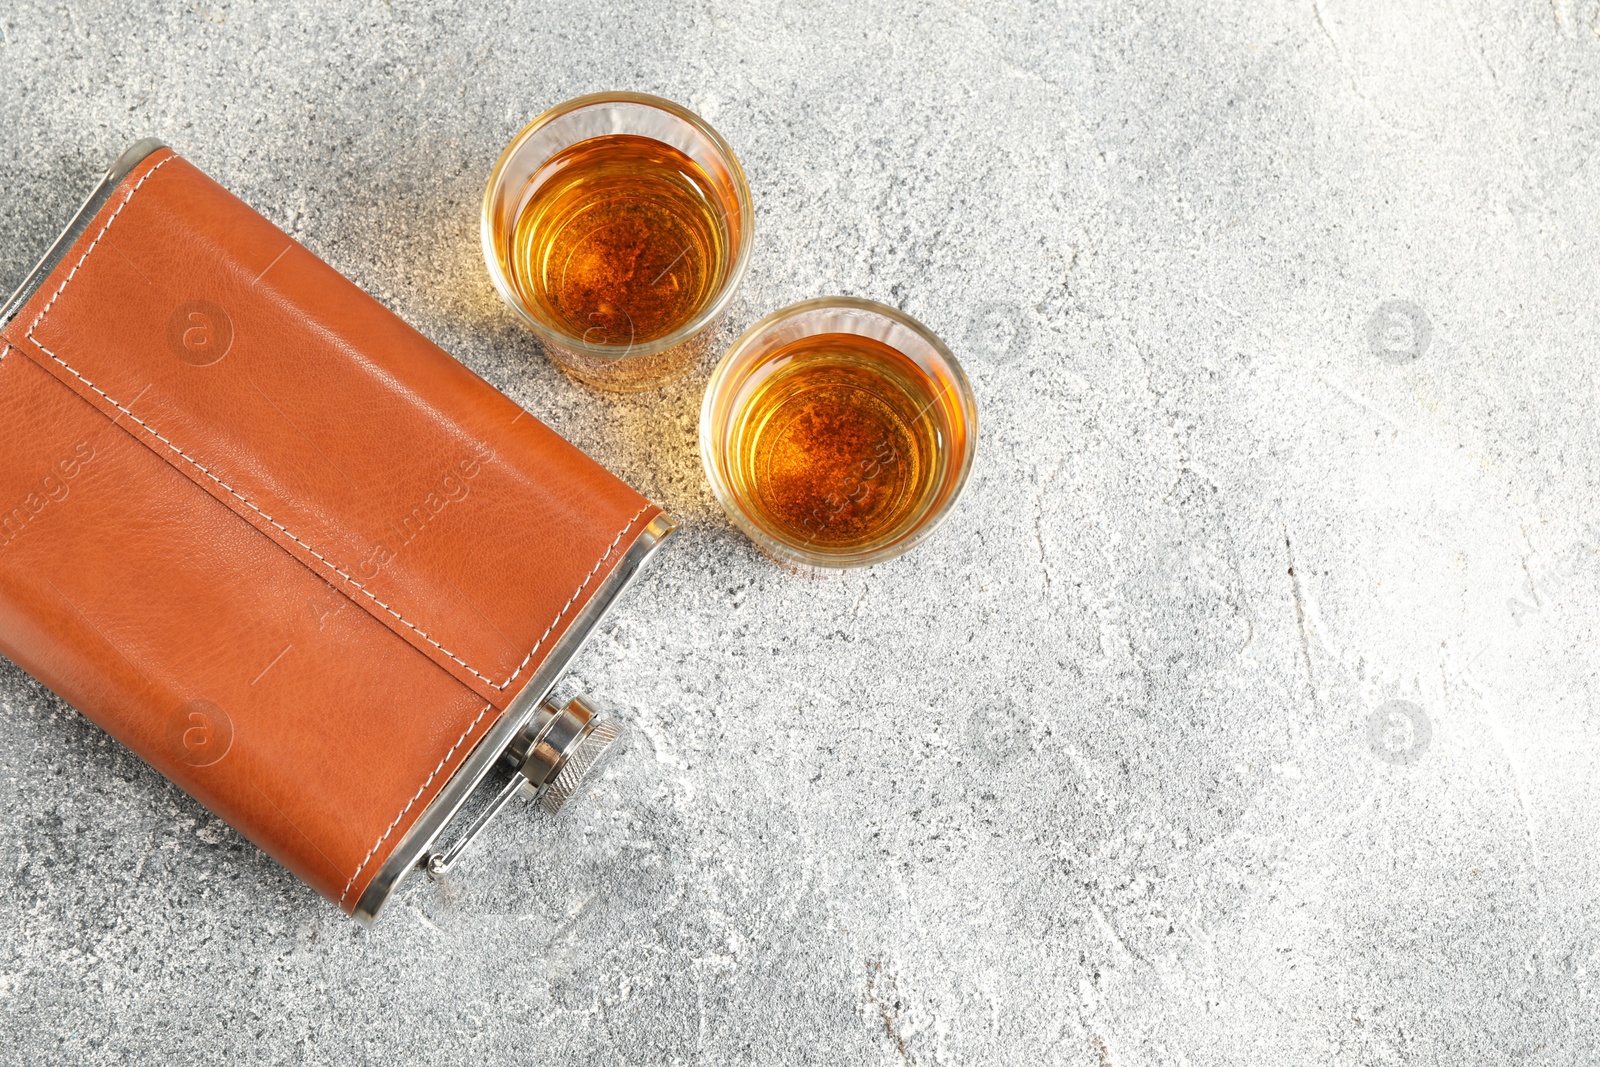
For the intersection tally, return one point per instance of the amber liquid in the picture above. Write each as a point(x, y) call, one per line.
point(622, 242)
point(838, 445)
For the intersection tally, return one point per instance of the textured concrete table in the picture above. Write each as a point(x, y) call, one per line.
point(1243, 713)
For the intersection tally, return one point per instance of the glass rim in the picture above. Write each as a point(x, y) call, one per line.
point(779, 548)
point(739, 261)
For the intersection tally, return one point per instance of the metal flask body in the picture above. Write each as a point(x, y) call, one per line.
point(538, 748)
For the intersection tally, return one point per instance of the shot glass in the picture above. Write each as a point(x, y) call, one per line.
point(838, 433)
point(618, 226)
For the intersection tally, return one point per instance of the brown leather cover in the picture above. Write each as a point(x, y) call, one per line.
point(270, 537)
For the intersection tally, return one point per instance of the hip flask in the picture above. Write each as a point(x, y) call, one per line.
point(292, 554)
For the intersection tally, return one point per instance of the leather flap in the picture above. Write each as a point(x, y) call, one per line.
point(461, 523)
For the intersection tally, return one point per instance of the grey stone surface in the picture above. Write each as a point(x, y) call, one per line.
point(1108, 772)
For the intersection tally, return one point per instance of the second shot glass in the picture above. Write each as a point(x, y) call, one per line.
point(618, 226)
point(838, 432)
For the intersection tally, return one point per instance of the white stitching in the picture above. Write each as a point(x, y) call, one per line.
point(73, 273)
point(502, 686)
point(612, 547)
point(365, 859)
